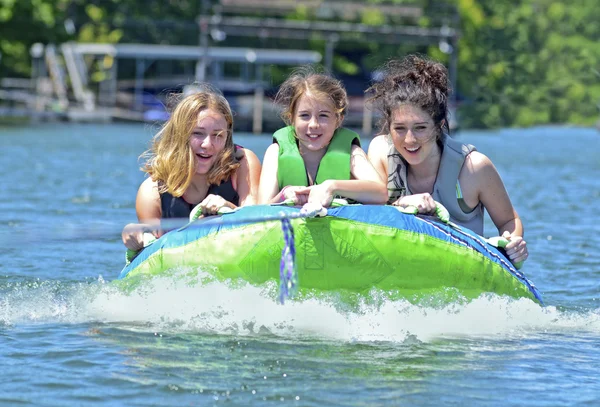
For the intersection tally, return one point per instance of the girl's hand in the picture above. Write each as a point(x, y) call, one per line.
point(212, 203)
point(133, 235)
point(297, 195)
point(423, 202)
point(322, 194)
point(516, 249)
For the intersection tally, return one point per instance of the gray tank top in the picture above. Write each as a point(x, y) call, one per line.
point(446, 187)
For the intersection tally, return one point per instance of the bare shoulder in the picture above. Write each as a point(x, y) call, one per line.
point(268, 186)
point(477, 162)
point(147, 203)
point(272, 151)
point(148, 192)
point(249, 170)
point(251, 159)
point(249, 154)
point(357, 151)
point(380, 142)
point(149, 187)
point(378, 148)
point(479, 174)
point(270, 164)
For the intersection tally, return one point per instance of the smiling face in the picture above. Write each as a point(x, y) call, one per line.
point(414, 134)
point(314, 121)
point(208, 139)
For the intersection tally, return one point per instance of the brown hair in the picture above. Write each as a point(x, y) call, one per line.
point(170, 160)
point(414, 80)
point(322, 86)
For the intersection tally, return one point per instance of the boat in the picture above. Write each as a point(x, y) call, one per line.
point(353, 249)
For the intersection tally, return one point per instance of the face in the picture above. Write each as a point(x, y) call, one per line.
point(208, 139)
point(414, 134)
point(315, 122)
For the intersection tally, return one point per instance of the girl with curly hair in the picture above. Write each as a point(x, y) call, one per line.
point(421, 163)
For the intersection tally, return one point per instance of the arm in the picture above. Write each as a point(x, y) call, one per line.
point(378, 149)
point(268, 190)
point(366, 186)
point(483, 184)
point(147, 202)
point(248, 176)
point(147, 207)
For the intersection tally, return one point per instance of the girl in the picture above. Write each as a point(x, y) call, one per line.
point(193, 161)
point(314, 159)
point(422, 163)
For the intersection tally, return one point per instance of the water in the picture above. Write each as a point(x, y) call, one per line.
point(68, 337)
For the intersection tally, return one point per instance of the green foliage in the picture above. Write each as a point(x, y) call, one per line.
point(344, 65)
point(534, 62)
point(520, 63)
point(24, 23)
point(373, 17)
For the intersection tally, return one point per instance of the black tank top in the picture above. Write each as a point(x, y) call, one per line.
point(177, 207)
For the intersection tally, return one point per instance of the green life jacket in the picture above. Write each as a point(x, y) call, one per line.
point(335, 164)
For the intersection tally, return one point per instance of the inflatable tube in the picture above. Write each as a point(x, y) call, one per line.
point(355, 248)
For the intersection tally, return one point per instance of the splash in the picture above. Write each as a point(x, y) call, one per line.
point(190, 301)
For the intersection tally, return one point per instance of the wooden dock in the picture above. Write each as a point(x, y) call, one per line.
point(61, 89)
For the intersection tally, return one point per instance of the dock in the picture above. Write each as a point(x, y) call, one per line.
point(81, 81)
point(60, 87)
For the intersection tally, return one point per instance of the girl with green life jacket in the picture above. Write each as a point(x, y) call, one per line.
point(313, 159)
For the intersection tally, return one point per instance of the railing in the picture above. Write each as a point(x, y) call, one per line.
point(77, 77)
point(57, 75)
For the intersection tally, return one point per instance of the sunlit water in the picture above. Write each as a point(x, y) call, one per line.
point(68, 336)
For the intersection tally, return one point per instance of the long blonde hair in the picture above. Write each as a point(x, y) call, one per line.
point(171, 161)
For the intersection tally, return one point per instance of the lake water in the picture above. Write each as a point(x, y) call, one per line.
point(68, 337)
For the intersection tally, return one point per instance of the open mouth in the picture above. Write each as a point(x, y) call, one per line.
point(203, 156)
point(412, 149)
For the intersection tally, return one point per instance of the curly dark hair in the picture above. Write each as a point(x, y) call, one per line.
point(415, 80)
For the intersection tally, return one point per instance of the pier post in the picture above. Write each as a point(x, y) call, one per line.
point(367, 123)
point(203, 21)
point(140, 68)
point(329, 51)
point(259, 97)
